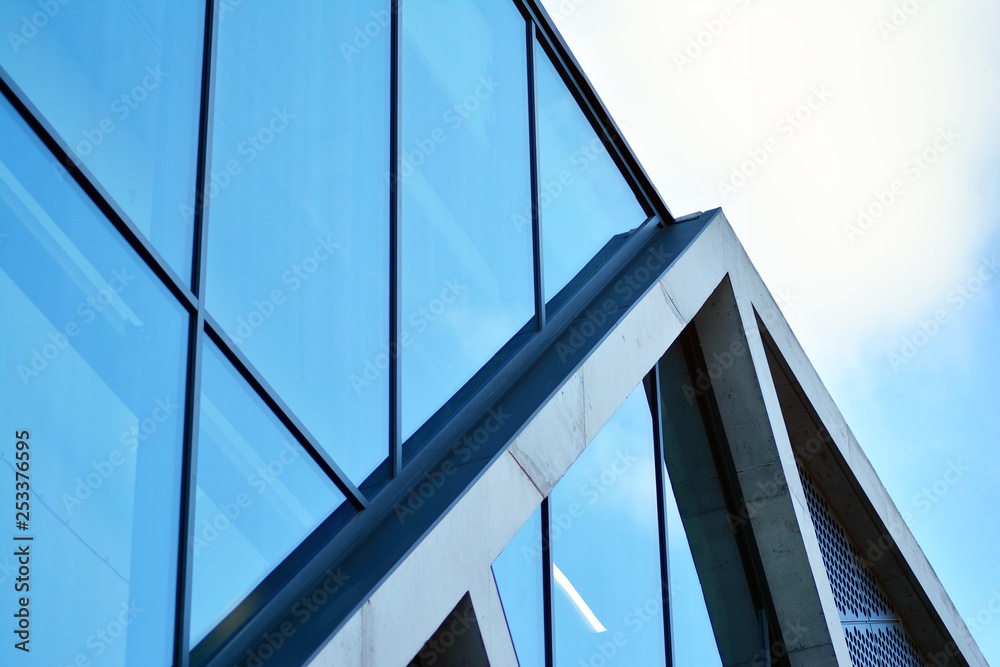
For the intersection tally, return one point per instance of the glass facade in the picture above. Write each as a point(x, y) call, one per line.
point(93, 360)
point(583, 200)
point(258, 494)
point(689, 615)
point(519, 576)
point(298, 247)
point(119, 83)
point(467, 280)
point(604, 556)
point(366, 236)
point(608, 593)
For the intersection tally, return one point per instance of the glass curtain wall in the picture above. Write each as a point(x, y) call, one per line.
point(608, 599)
point(293, 219)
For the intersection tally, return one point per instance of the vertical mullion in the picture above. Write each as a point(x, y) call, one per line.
point(192, 399)
point(661, 511)
point(536, 217)
point(395, 431)
point(547, 586)
point(188, 486)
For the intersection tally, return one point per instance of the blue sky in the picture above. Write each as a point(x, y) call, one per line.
point(855, 149)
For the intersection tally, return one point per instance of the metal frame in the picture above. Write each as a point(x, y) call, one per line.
point(538, 27)
point(192, 398)
point(652, 384)
point(395, 259)
point(595, 110)
point(547, 592)
point(538, 254)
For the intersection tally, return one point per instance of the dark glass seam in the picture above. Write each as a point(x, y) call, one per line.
point(653, 395)
point(96, 193)
point(280, 410)
point(550, 643)
point(395, 324)
point(536, 214)
point(192, 399)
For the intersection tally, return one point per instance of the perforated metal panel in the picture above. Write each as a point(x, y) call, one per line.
point(875, 635)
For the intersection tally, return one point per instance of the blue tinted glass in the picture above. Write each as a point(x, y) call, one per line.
point(467, 282)
point(583, 199)
point(259, 494)
point(298, 271)
point(695, 639)
point(518, 573)
point(607, 594)
point(93, 351)
point(119, 81)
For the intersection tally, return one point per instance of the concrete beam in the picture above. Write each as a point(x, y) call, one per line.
point(765, 467)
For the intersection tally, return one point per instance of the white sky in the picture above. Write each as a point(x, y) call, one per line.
point(891, 94)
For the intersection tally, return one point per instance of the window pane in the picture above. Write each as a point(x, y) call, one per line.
point(298, 271)
point(467, 283)
point(583, 199)
point(695, 640)
point(93, 351)
point(119, 81)
point(259, 494)
point(518, 573)
point(607, 594)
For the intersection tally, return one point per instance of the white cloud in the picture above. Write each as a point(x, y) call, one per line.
point(692, 122)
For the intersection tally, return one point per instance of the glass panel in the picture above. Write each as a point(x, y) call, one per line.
point(93, 351)
point(259, 494)
point(583, 199)
point(301, 151)
point(119, 81)
point(694, 638)
point(518, 573)
point(467, 283)
point(607, 594)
